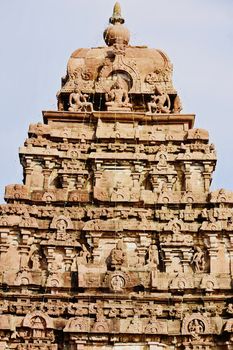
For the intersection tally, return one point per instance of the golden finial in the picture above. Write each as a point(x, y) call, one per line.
point(117, 9)
point(116, 16)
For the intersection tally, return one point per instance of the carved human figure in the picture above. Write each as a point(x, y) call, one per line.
point(81, 258)
point(35, 260)
point(196, 326)
point(198, 260)
point(230, 308)
point(177, 107)
point(117, 283)
point(78, 101)
point(153, 257)
point(160, 102)
point(118, 95)
point(118, 255)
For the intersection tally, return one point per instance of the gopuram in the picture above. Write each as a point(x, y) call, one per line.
point(115, 241)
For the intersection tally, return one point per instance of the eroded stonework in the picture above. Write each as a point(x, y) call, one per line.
point(114, 240)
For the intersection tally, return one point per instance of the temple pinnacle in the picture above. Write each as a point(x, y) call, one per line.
point(116, 16)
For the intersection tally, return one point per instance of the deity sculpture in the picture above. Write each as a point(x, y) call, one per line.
point(117, 98)
point(118, 255)
point(198, 260)
point(81, 258)
point(160, 102)
point(153, 257)
point(78, 102)
point(177, 107)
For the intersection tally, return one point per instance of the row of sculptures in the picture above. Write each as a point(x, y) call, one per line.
point(117, 259)
point(118, 99)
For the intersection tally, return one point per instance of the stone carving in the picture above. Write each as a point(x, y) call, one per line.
point(152, 260)
point(78, 102)
point(118, 256)
point(198, 260)
point(117, 98)
point(160, 102)
point(61, 224)
point(209, 283)
point(81, 257)
point(181, 282)
point(159, 75)
point(77, 324)
point(177, 108)
point(196, 324)
point(101, 324)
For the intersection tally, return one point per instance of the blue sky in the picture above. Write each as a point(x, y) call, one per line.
point(37, 38)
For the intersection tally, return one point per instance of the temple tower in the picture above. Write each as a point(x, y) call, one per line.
point(114, 240)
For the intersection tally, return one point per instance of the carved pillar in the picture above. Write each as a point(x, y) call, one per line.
point(135, 177)
point(94, 242)
point(24, 256)
point(231, 253)
point(65, 182)
point(4, 235)
point(80, 178)
point(156, 346)
point(3, 250)
point(80, 345)
point(28, 171)
point(50, 255)
point(68, 259)
point(154, 181)
point(167, 259)
point(46, 172)
point(187, 173)
point(213, 252)
point(187, 256)
point(142, 248)
point(208, 169)
point(25, 235)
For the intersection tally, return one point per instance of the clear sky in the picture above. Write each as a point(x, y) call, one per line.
point(38, 36)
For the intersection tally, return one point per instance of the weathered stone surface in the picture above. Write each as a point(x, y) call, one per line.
point(114, 240)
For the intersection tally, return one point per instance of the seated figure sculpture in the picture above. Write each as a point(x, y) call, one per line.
point(78, 102)
point(117, 98)
point(160, 102)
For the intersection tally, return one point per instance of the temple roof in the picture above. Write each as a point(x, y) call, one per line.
point(136, 69)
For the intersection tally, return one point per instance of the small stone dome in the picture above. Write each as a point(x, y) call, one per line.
point(116, 32)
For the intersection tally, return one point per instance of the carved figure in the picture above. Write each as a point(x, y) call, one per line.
point(78, 101)
point(35, 260)
point(198, 260)
point(160, 102)
point(81, 258)
point(118, 96)
point(196, 326)
point(177, 107)
point(230, 308)
point(118, 255)
point(117, 283)
point(119, 193)
point(153, 257)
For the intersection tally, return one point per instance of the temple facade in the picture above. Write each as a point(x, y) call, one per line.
point(115, 241)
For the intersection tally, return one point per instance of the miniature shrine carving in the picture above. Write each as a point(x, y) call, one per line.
point(114, 240)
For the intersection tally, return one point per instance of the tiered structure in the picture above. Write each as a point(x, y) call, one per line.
point(114, 241)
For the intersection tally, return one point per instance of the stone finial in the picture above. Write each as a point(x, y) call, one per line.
point(116, 33)
point(116, 16)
